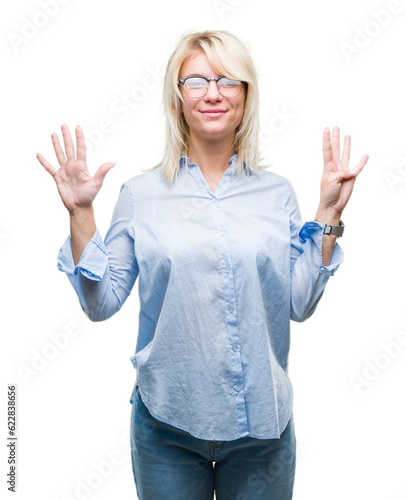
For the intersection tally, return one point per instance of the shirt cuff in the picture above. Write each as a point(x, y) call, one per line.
point(314, 231)
point(92, 263)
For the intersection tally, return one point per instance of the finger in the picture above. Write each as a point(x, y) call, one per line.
point(81, 145)
point(60, 155)
point(336, 144)
point(359, 167)
point(67, 139)
point(342, 175)
point(48, 167)
point(346, 152)
point(102, 171)
point(326, 147)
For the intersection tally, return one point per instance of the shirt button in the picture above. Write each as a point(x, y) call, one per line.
point(235, 348)
point(230, 309)
point(213, 200)
point(222, 233)
point(226, 269)
point(237, 388)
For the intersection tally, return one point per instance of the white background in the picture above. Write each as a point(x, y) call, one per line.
point(73, 409)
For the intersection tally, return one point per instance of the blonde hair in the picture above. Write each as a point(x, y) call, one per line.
point(228, 56)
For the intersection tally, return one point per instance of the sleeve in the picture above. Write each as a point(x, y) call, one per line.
point(107, 270)
point(308, 276)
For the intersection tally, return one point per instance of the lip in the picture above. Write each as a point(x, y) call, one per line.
point(214, 112)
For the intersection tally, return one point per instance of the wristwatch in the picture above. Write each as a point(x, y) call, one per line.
point(335, 230)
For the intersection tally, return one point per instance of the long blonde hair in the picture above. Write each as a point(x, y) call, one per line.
point(228, 56)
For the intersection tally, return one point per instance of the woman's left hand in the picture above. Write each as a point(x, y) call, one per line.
point(337, 179)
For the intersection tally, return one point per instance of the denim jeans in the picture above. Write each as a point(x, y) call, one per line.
point(171, 464)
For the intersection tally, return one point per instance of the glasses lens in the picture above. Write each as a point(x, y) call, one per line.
point(229, 88)
point(196, 87)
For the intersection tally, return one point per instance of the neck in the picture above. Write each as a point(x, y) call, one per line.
point(211, 156)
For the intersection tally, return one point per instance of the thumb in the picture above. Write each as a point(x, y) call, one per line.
point(102, 171)
point(343, 175)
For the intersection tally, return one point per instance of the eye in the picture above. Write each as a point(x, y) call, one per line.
point(227, 82)
point(196, 83)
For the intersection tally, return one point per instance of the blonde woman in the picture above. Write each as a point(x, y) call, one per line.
point(224, 263)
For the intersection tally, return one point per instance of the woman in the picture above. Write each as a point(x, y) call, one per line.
point(224, 263)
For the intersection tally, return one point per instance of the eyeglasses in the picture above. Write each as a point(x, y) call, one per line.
point(196, 87)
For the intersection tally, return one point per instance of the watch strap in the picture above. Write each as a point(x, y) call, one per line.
point(335, 230)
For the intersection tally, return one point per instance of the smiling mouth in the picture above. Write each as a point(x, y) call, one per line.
point(214, 112)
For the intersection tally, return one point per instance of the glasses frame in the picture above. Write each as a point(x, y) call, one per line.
point(183, 80)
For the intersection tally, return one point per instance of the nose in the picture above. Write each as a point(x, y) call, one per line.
point(213, 92)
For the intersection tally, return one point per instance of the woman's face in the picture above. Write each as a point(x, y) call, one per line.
point(203, 123)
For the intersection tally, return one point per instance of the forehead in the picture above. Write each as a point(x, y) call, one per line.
point(197, 64)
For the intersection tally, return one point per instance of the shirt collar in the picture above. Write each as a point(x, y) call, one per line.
point(232, 160)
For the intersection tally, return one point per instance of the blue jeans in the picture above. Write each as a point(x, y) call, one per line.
point(171, 464)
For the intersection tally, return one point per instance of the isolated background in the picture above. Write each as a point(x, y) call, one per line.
point(74, 410)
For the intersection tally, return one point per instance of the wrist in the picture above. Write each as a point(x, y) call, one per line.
point(328, 216)
point(81, 212)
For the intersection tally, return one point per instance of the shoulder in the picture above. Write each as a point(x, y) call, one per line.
point(145, 182)
point(274, 180)
point(279, 188)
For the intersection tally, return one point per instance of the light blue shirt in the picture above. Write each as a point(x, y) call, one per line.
point(220, 276)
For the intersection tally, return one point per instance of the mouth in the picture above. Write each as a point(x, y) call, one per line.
point(213, 112)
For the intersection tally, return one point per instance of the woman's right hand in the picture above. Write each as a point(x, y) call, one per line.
point(75, 185)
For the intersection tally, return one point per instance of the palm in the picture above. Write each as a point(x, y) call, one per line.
point(76, 187)
point(337, 180)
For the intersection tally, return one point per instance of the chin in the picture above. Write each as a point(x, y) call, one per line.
point(215, 129)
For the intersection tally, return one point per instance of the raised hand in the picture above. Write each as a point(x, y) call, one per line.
point(76, 187)
point(337, 179)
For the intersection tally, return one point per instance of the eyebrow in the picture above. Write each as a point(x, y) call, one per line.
point(187, 76)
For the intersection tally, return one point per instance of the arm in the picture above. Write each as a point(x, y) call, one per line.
point(82, 229)
point(328, 240)
point(107, 270)
point(76, 187)
point(308, 274)
point(316, 256)
point(336, 185)
point(102, 282)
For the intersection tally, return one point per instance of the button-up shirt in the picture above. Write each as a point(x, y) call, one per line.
point(221, 274)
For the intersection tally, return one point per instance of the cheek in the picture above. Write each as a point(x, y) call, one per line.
point(189, 114)
point(239, 110)
point(187, 109)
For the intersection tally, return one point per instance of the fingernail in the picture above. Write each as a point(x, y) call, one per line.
point(354, 171)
